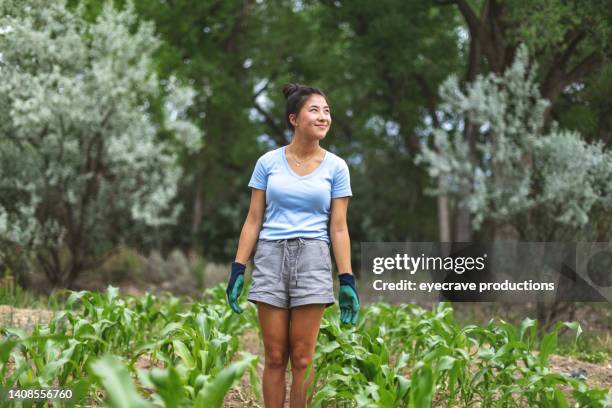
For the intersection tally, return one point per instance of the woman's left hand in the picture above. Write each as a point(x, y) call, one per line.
point(348, 299)
point(234, 286)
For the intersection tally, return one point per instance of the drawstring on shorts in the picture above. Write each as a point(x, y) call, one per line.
point(285, 243)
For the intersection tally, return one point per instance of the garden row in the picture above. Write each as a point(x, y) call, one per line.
point(164, 351)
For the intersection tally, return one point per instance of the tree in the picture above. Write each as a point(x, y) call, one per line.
point(82, 166)
point(214, 46)
point(549, 186)
point(570, 39)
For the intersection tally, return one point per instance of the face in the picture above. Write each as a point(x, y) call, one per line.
point(314, 119)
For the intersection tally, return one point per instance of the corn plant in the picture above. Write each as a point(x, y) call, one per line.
point(94, 344)
point(397, 356)
point(406, 356)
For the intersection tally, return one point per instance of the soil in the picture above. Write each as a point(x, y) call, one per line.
point(25, 319)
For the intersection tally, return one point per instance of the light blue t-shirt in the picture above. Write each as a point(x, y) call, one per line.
point(299, 206)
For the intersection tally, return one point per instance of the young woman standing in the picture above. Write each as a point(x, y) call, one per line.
point(297, 190)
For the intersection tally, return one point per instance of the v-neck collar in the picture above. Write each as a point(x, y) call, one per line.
point(293, 173)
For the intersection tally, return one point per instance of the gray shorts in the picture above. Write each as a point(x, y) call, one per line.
point(292, 272)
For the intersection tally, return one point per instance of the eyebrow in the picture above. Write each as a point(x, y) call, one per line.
point(316, 106)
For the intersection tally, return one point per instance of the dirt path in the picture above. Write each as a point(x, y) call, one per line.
point(25, 319)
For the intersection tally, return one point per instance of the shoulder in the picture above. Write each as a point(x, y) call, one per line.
point(336, 162)
point(268, 158)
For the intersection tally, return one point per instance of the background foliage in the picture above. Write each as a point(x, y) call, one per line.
point(195, 89)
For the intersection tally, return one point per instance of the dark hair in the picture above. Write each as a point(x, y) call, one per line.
point(296, 95)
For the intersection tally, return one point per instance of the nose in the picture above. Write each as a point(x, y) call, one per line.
point(324, 118)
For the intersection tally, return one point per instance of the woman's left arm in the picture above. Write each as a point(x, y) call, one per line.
point(348, 299)
point(339, 235)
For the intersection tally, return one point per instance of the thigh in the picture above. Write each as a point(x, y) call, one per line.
point(274, 323)
point(304, 330)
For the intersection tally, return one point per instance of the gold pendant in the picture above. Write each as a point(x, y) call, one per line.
point(298, 164)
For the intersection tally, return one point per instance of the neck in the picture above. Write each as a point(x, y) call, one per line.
point(302, 147)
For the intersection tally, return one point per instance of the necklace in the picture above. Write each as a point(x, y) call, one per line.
point(300, 162)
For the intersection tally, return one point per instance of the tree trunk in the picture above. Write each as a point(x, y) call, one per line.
point(443, 218)
point(463, 225)
point(197, 206)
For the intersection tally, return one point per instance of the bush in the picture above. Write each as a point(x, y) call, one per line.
point(125, 265)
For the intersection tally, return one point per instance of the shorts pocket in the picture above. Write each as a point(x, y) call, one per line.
point(325, 254)
point(316, 266)
point(266, 272)
point(262, 250)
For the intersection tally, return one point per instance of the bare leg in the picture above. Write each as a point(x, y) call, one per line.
point(303, 333)
point(274, 322)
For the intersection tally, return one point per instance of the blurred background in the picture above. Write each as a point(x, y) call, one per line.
point(129, 131)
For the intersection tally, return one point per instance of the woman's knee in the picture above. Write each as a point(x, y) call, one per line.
point(276, 359)
point(300, 357)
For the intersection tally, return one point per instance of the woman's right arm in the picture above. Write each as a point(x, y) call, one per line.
point(252, 226)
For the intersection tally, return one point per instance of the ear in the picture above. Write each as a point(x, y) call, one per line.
point(293, 119)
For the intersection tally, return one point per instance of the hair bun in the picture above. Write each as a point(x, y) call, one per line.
point(289, 89)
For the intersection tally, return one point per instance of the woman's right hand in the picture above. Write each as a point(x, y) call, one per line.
point(234, 286)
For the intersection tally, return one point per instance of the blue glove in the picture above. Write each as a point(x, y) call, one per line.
point(348, 299)
point(234, 286)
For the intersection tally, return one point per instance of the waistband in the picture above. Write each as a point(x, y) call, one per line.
point(292, 242)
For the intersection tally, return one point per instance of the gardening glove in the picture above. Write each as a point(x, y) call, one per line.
point(234, 286)
point(348, 299)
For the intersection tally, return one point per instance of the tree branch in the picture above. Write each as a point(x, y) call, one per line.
point(589, 64)
point(430, 98)
point(472, 20)
point(278, 135)
point(230, 42)
point(574, 38)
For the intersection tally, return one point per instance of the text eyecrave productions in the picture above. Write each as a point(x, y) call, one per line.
point(408, 285)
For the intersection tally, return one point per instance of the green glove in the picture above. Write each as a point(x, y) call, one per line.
point(234, 286)
point(348, 299)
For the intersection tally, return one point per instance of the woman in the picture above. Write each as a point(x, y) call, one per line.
point(296, 191)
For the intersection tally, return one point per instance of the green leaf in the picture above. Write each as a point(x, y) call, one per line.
point(5, 350)
point(445, 363)
point(576, 327)
point(329, 347)
point(211, 396)
point(183, 352)
point(111, 294)
point(80, 390)
point(549, 342)
point(402, 387)
point(169, 386)
point(116, 380)
point(526, 324)
point(170, 328)
point(421, 387)
point(560, 401)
